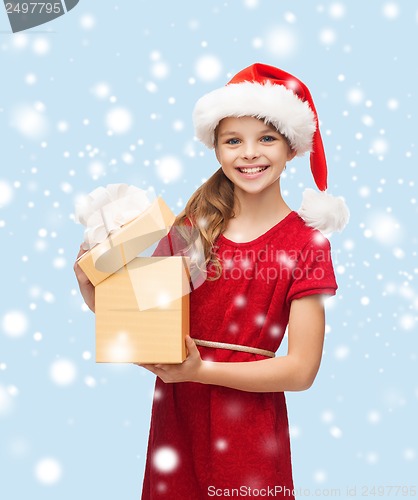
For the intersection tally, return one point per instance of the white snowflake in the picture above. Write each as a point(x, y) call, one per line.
point(282, 42)
point(119, 120)
point(63, 372)
point(15, 324)
point(169, 169)
point(165, 459)
point(208, 68)
point(48, 471)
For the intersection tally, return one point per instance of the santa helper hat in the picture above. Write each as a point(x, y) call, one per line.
point(278, 98)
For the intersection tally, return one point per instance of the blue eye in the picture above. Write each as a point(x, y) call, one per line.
point(232, 141)
point(268, 138)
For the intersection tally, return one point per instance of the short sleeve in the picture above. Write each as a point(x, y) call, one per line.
point(174, 242)
point(313, 272)
point(164, 247)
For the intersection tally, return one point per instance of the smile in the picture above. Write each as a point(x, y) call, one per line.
point(252, 170)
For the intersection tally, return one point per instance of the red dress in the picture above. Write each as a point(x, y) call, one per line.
point(206, 440)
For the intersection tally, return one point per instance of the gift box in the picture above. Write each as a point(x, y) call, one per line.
point(138, 318)
point(141, 303)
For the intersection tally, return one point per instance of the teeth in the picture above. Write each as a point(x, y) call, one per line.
point(252, 170)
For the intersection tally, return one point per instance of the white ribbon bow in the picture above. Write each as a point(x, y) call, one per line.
point(106, 209)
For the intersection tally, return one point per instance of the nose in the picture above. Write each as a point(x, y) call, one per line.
point(250, 151)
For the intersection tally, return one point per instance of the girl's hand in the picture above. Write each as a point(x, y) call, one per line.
point(86, 286)
point(182, 372)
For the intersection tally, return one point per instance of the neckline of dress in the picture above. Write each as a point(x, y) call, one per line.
point(278, 225)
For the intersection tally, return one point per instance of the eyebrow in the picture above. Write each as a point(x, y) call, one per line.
point(265, 131)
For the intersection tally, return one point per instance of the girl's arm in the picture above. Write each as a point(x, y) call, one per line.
point(294, 372)
point(86, 287)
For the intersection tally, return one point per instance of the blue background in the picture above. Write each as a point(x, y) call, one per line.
point(354, 427)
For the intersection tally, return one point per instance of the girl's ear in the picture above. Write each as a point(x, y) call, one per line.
point(291, 154)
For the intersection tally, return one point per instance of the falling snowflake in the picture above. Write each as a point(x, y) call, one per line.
point(335, 432)
point(391, 10)
point(208, 68)
point(282, 42)
point(169, 169)
point(119, 120)
point(14, 324)
point(6, 401)
point(337, 10)
point(63, 372)
point(165, 459)
point(221, 444)
point(48, 471)
point(29, 121)
point(6, 193)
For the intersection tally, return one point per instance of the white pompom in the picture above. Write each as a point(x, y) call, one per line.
point(324, 212)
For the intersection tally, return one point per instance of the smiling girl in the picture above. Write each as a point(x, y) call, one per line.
point(221, 415)
point(219, 424)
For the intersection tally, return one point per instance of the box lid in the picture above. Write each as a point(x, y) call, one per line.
point(124, 245)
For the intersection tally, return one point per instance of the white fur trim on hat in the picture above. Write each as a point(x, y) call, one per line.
point(272, 102)
point(323, 211)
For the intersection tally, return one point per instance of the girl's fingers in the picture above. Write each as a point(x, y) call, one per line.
point(80, 274)
point(81, 252)
point(191, 346)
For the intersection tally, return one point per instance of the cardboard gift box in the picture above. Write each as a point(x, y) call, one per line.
point(141, 303)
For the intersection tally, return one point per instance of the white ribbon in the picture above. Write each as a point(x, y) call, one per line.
point(106, 209)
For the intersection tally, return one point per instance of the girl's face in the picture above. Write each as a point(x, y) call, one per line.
point(252, 154)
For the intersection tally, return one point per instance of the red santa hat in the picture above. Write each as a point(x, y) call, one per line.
point(278, 98)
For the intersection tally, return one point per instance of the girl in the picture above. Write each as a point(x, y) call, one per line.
point(219, 423)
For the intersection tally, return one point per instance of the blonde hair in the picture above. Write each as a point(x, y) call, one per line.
point(209, 210)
